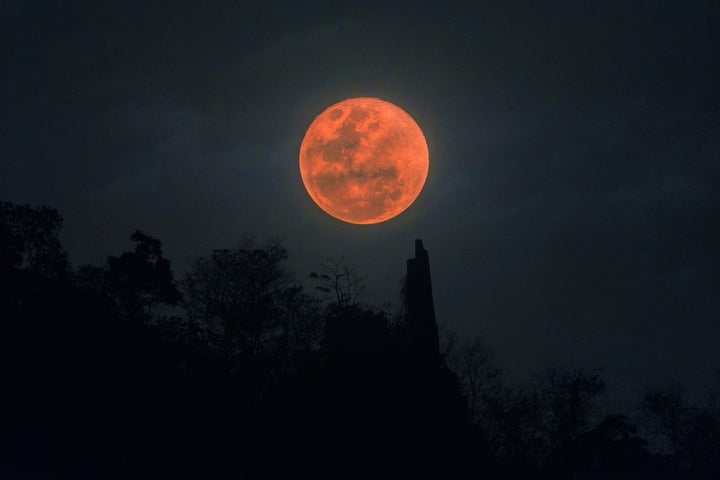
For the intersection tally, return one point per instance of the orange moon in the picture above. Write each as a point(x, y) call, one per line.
point(364, 160)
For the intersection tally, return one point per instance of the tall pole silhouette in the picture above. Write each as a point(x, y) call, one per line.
point(421, 324)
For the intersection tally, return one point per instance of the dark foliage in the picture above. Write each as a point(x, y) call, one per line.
point(118, 371)
point(30, 243)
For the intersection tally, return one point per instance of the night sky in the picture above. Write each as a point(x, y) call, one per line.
point(571, 212)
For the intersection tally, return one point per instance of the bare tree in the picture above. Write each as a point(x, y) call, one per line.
point(666, 411)
point(510, 424)
point(703, 438)
point(340, 283)
point(684, 430)
point(478, 373)
point(568, 399)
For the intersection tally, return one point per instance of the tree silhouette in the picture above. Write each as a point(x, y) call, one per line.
point(510, 426)
point(340, 284)
point(29, 240)
point(142, 280)
point(610, 449)
point(686, 433)
point(478, 373)
point(248, 375)
point(568, 398)
point(666, 409)
point(249, 311)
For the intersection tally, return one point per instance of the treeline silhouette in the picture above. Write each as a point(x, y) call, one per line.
point(239, 371)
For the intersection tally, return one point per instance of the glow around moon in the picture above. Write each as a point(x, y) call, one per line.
point(364, 160)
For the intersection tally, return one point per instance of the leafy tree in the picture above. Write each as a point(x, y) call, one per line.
point(139, 283)
point(29, 241)
point(248, 308)
point(142, 279)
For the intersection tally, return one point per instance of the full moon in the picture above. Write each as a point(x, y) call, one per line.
point(364, 160)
